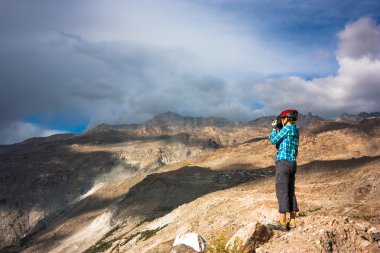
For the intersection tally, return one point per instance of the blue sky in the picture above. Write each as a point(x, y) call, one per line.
point(69, 65)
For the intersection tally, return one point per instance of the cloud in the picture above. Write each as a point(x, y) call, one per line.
point(16, 131)
point(125, 61)
point(355, 88)
point(360, 39)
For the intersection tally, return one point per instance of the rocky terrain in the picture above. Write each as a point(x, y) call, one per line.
point(133, 188)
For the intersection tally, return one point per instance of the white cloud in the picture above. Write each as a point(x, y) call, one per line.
point(18, 131)
point(360, 39)
point(355, 88)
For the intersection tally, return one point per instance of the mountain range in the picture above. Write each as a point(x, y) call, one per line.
point(133, 188)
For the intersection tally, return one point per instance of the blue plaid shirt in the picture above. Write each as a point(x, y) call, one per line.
point(287, 140)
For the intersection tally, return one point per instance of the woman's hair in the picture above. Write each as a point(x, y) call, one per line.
point(290, 119)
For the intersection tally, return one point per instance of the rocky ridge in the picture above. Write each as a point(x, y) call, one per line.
point(357, 117)
point(303, 120)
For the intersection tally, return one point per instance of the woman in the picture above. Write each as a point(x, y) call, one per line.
point(285, 136)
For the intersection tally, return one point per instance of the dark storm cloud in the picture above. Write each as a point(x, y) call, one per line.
point(52, 62)
point(125, 61)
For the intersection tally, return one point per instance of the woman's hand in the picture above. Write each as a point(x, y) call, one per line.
point(274, 123)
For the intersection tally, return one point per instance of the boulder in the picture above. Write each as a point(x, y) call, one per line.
point(185, 242)
point(251, 236)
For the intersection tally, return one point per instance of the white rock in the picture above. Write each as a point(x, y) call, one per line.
point(372, 230)
point(192, 240)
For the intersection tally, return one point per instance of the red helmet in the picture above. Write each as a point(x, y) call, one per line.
point(289, 113)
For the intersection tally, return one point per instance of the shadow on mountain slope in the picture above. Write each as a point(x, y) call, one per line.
point(367, 126)
point(159, 193)
point(333, 166)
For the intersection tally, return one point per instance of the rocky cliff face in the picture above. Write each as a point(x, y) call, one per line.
point(133, 187)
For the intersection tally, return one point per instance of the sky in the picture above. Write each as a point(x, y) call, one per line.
point(66, 66)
